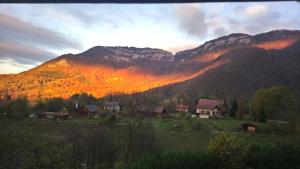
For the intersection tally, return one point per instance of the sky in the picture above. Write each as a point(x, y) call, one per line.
point(31, 34)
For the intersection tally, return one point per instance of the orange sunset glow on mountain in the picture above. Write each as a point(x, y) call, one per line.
point(106, 70)
point(153, 85)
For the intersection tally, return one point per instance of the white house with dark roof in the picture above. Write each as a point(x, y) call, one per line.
point(207, 108)
point(111, 106)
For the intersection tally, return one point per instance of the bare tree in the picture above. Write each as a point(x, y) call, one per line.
point(140, 138)
point(94, 149)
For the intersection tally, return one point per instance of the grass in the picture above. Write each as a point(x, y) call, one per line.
point(182, 140)
point(171, 134)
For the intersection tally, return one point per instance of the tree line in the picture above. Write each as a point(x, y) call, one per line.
point(275, 102)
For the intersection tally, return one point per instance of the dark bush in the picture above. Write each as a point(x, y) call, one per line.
point(174, 160)
point(274, 157)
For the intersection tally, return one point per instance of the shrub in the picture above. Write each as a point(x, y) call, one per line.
point(229, 150)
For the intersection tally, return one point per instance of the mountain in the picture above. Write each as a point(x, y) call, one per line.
point(271, 58)
point(228, 65)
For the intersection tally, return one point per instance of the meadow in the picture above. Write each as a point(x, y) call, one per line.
point(171, 133)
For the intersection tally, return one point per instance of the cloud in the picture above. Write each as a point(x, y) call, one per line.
point(259, 18)
point(192, 20)
point(23, 54)
point(13, 29)
point(9, 66)
point(217, 24)
point(256, 10)
point(72, 13)
point(80, 15)
point(250, 19)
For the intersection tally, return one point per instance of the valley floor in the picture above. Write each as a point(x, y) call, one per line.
point(171, 133)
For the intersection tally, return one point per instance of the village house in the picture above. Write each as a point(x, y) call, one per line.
point(89, 109)
point(207, 108)
point(54, 115)
point(143, 110)
point(111, 106)
point(182, 108)
point(160, 111)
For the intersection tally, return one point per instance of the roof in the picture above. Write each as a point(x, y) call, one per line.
point(4, 102)
point(111, 103)
point(182, 106)
point(159, 110)
point(209, 104)
point(248, 124)
point(92, 108)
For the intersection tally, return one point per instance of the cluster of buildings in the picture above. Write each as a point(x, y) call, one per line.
point(81, 109)
point(206, 108)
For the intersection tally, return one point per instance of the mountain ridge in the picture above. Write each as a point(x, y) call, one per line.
point(103, 70)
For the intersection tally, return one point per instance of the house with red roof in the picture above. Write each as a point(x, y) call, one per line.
point(207, 108)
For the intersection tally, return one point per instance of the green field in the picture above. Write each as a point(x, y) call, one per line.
point(65, 143)
point(170, 133)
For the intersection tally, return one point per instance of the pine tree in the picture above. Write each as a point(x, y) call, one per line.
point(233, 109)
point(262, 116)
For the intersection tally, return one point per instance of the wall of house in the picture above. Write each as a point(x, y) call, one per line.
point(204, 116)
point(182, 110)
point(112, 108)
point(204, 113)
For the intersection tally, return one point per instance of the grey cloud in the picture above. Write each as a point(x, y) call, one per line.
point(192, 20)
point(23, 54)
point(263, 22)
point(13, 29)
point(262, 18)
point(251, 19)
point(93, 15)
point(77, 13)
